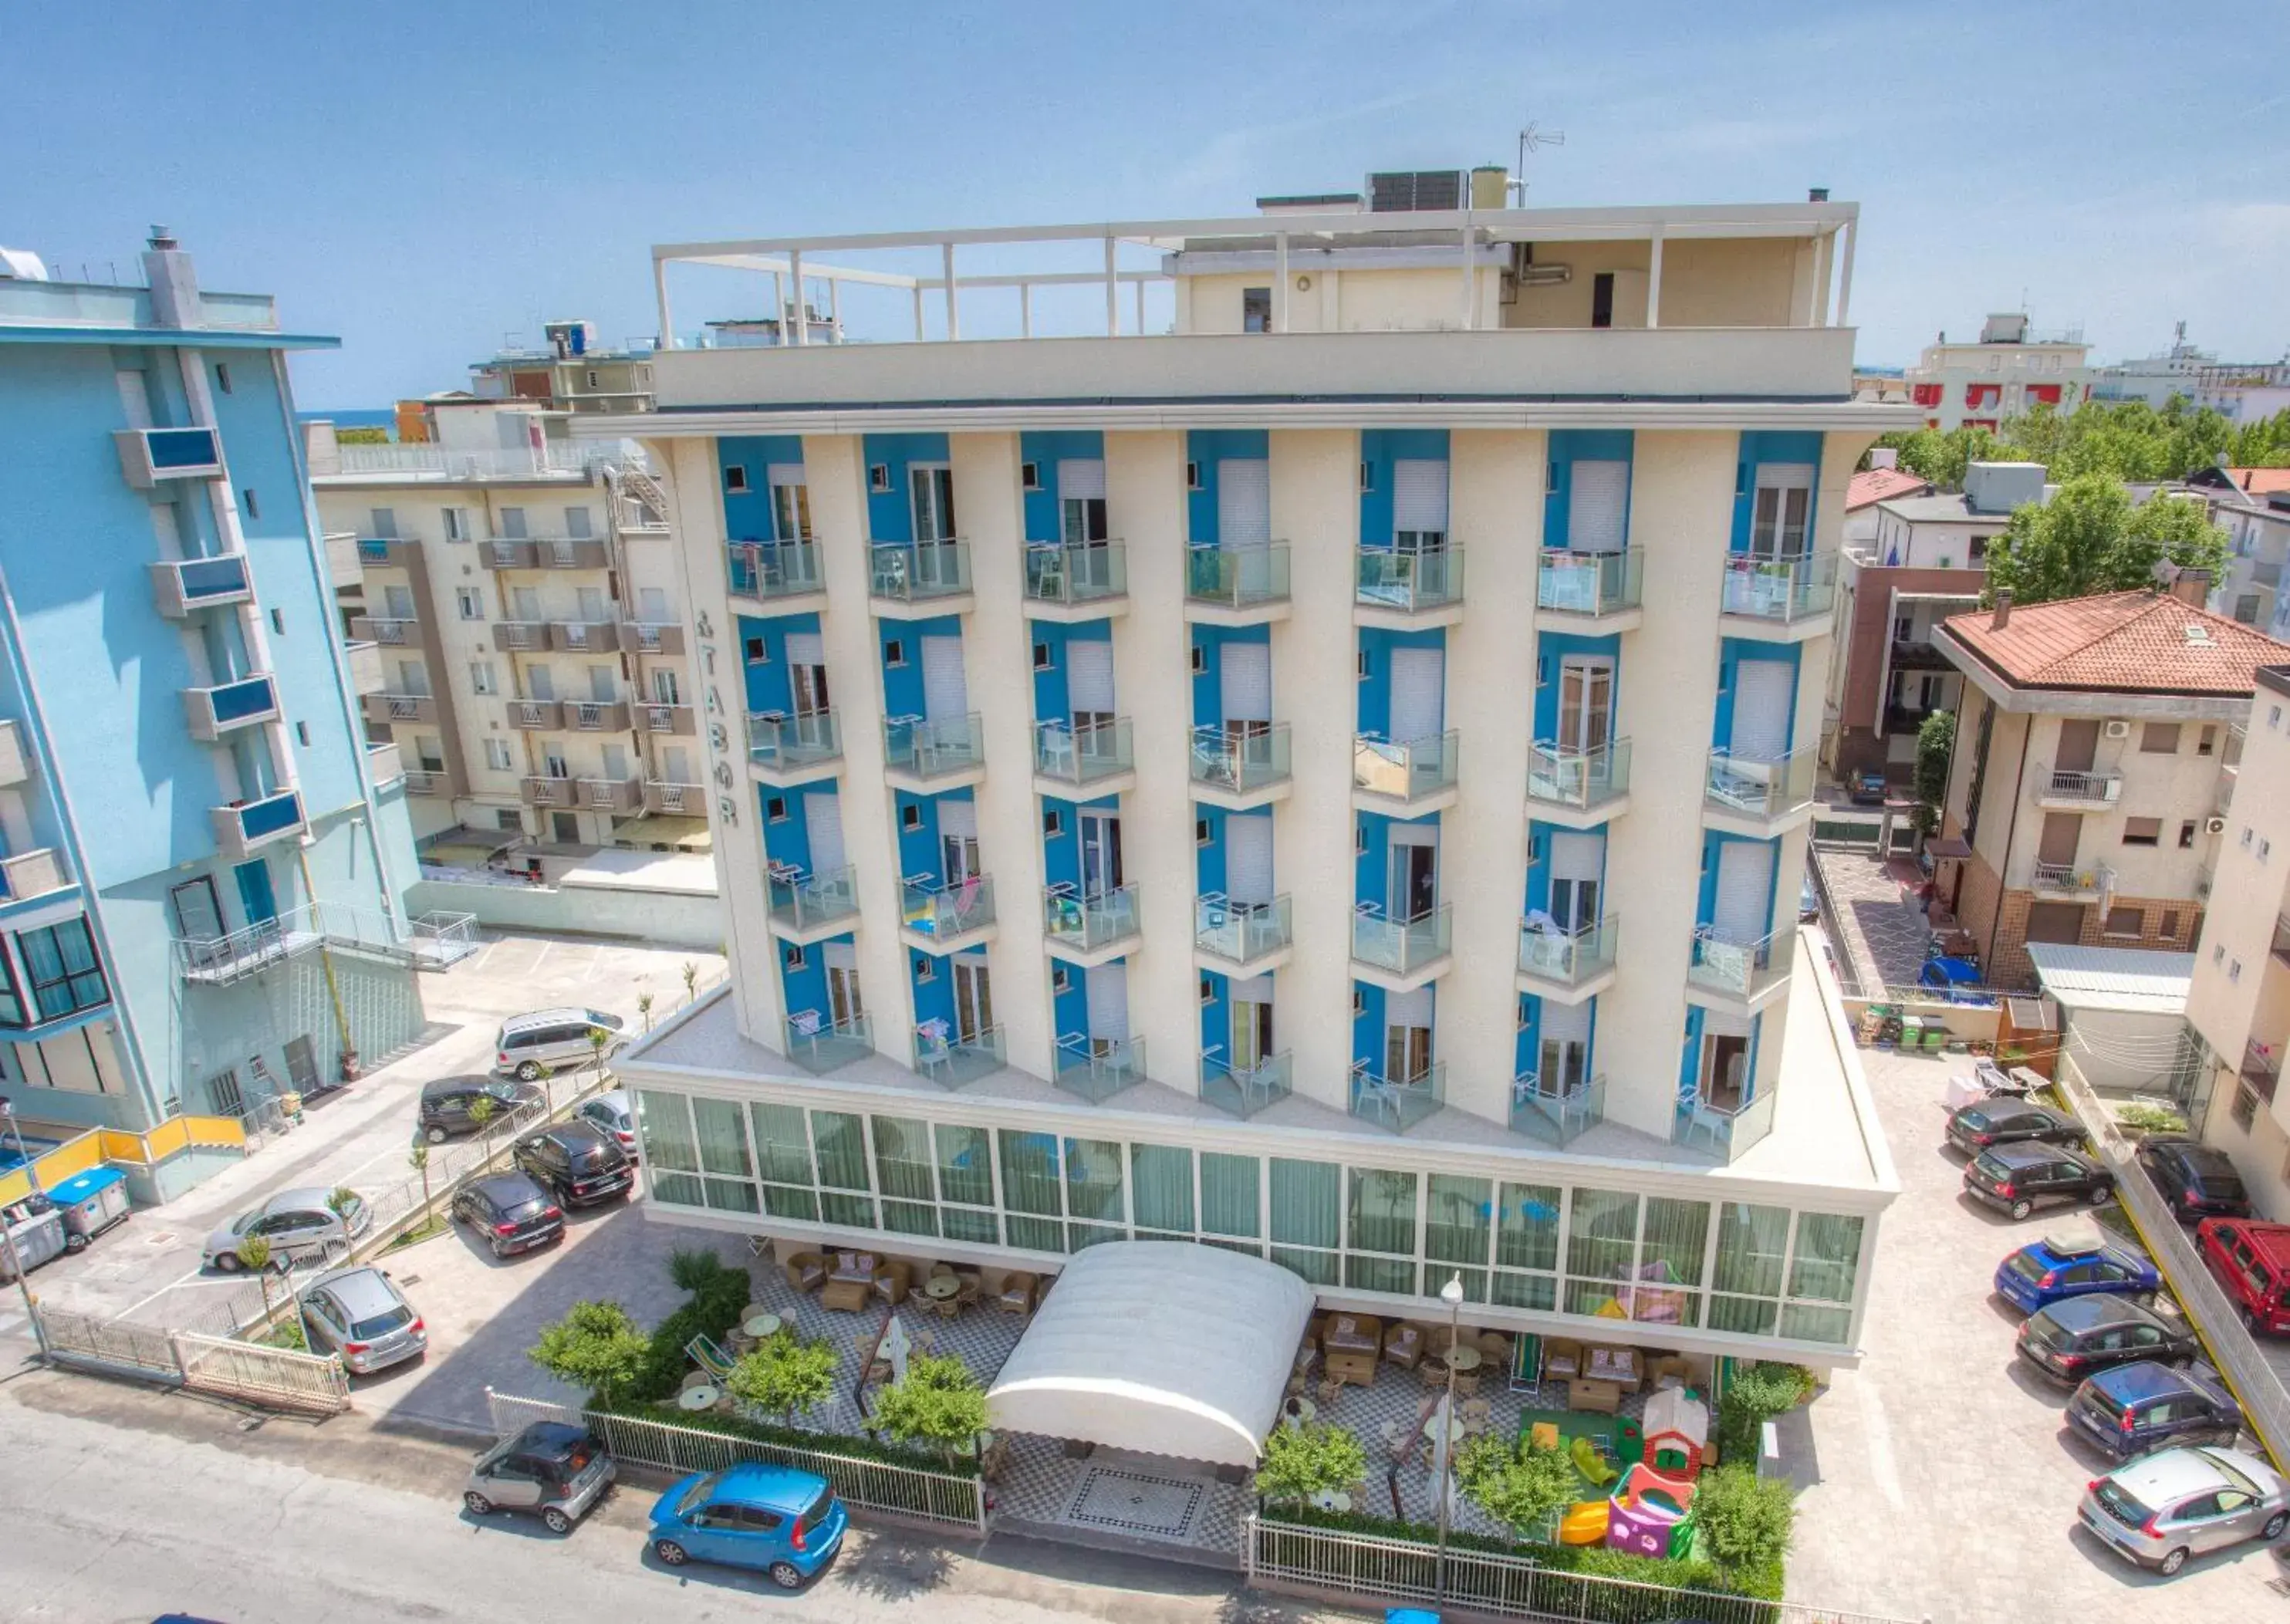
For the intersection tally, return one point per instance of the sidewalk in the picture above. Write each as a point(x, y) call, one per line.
point(1877, 921)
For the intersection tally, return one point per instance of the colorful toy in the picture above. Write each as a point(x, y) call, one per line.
point(1585, 1522)
point(1676, 1430)
point(1543, 1435)
point(1590, 1463)
point(1647, 1512)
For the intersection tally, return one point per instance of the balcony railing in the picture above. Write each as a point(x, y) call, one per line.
point(1760, 789)
point(1568, 957)
point(1241, 933)
point(1556, 1112)
point(212, 712)
point(400, 706)
point(929, 748)
point(1583, 779)
point(783, 743)
point(949, 1060)
point(520, 637)
point(1398, 1105)
point(1411, 583)
point(584, 637)
point(2067, 879)
point(774, 569)
point(1782, 590)
point(179, 586)
point(820, 1046)
point(929, 907)
point(2261, 1067)
point(1098, 1068)
point(549, 791)
point(1237, 577)
point(1918, 654)
point(13, 767)
point(595, 716)
point(1087, 924)
point(802, 901)
point(1728, 1130)
point(367, 676)
point(915, 572)
point(2094, 788)
point(385, 762)
point(1589, 584)
point(666, 719)
point(389, 631)
point(653, 638)
point(1741, 969)
point(241, 829)
point(426, 781)
point(547, 715)
point(1403, 947)
point(1084, 755)
point(613, 794)
point(1241, 763)
point(1246, 1090)
point(1068, 575)
point(1406, 770)
point(675, 800)
point(31, 874)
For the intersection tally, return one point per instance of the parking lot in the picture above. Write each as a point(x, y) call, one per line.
point(1938, 1480)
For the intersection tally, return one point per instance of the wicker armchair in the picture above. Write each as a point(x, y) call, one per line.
point(1403, 1345)
point(1017, 1293)
point(807, 1271)
point(891, 1279)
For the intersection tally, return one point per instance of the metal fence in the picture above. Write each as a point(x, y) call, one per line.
point(1280, 1555)
point(276, 1378)
point(2265, 1404)
point(945, 1500)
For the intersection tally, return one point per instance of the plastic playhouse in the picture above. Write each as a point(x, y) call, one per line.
point(1649, 1512)
point(1676, 1429)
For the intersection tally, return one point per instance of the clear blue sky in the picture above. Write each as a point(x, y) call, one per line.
point(424, 179)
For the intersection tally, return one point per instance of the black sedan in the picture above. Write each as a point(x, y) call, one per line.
point(2077, 1335)
point(2198, 1181)
point(510, 1212)
point(2018, 1178)
point(2003, 1121)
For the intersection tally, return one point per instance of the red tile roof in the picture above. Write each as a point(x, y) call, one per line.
point(2258, 482)
point(1882, 485)
point(2139, 642)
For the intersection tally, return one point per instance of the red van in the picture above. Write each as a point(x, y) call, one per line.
point(2250, 1261)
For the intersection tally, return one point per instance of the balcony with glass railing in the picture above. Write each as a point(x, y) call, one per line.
point(1588, 587)
point(934, 914)
point(1739, 969)
point(1097, 1068)
point(1761, 792)
point(1785, 596)
point(1246, 762)
point(180, 585)
point(1579, 781)
point(1076, 757)
point(1246, 1089)
point(1251, 576)
point(925, 749)
point(1242, 933)
point(769, 570)
point(1556, 1111)
point(820, 1046)
point(803, 902)
point(779, 743)
point(213, 712)
point(1407, 772)
point(1557, 956)
point(1394, 1104)
point(245, 826)
point(1725, 1131)
point(1408, 583)
point(1091, 575)
point(1402, 947)
point(1089, 925)
point(904, 574)
point(950, 1060)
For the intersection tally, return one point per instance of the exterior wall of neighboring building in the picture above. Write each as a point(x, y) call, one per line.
point(1925, 544)
point(1878, 690)
point(1958, 384)
point(2258, 545)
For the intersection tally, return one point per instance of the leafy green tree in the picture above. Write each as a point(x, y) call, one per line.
point(483, 1108)
point(693, 1268)
point(1935, 744)
point(595, 1347)
point(940, 1404)
point(418, 1159)
point(2090, 538)
point(1518, 1485)
point(1317, 1458)
point(254, 1253)
point(1745, 1520)
point(1753, 1397)
point(785, 1375)
point(644, 1008)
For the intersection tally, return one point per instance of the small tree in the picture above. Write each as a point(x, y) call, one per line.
point(254, 1252)
point(644, 1008)
point(1752, 1398)
point(1317, 1458)
point(1745, 1519)
point(785, 1375)
point(483, 1108)
point(2090, 538)
point(418, 1159)
point(598, 1037)
point(1935, 745)
point(693, 1268)
point(1521, 1487)
point(691, 980)
point(940, 1404)
point(340, 1200)
point(595, 1347)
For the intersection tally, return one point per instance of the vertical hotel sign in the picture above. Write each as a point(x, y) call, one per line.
point(719, 730)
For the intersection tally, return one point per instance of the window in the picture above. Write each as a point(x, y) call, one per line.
point(1054, 824)
point(2218, 953)
point(1030, 476)
point(458, 527)
point(1043, 659)
point(796, 958)
point(1201, 835)
point(2125, 922)
point(925, 969)
point(895, 653)
point(2187, 835)
point(498, 757)
point(735, 479)
point(278, 622)
point(2274, 717)
point(1256, 310)
point(911, 817)
point(1359, 840)
point(1602, 299)
point(579, 524)
point(469, 603)
point(222, 376)
point(1061, 978)
point(775, 809)
point(2159, 738)
point(2245, 837)
point(481, 677)
point(65, 975)
point(2234, 971)
point(2142, 831)
point(592, 378)
point(1360, 664)
point(1200, 660)
point(2169, 928)
point(246, 499)
point(878, 477)
point(302, 734)
point(1208, 989)
point(755, 652)
point(1192, 476)
point(1367, 476)
point(2245, 1109)
point(2206, 741)
point(1360, 1002)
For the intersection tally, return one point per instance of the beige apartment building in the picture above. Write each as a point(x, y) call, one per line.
point(518, 618)
point(2094, 757)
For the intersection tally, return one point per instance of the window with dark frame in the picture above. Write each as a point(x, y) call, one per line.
point(2125, 922)
point(1602, 299)
point(65, 973)
point(2142, 831)
point(1256, 310)
point(911, 817)
point(1043, 659)
point(2187, 835)
point(895, 653)
point(1192, 476)
point(2159, 738)
point(735, 479)
point(1030, 476)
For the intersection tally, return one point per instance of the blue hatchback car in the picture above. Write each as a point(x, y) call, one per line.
point(2043, 1272)
point(776, 1520)
point(2134, 1410)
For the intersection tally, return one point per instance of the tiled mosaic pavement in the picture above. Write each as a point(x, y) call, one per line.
point(1878, 924)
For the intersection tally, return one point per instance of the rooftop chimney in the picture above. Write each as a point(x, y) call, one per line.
point(2002, 618)
point(174, 285)
point(1819, 194)
point(2193, 586)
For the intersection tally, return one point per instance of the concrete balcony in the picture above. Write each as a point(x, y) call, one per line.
point(1777, 600)
point(1243, 585)
point(1070, 583)
point(618, 795)
point(1241, 938)
point(389, 552)
point(784, 751)
point(2261, 1067)
point(940, 919)
point(666, 719)
point(1397, 1104)
point(913, 581)
point(390, 632)
point(14, 768)
point(922, 756)
point(534, 716)
point(548, 553)
point(584, 637)
point(1556, 1111)
point(1589, 593)
point(1567, 967)
point(809, 908)
point(951, 1060)
point(1098, 1068)
point(558, 792)
point(1758, 798)
point(2069, 881)
point(214, 712)
point(675, 800)
point(344, 566)
point(1089, 931)
point(1241, 770)
point(149, 456)
point(1402, 955)
point(521, 636)
point(399, 707)
point(1736, 976)
point(385, 763)
point(1242, 1091)
point(1578, 789)
point(1407, 590)
point(180, 587)
point(650, 637)
point(427, 782)
point(366, 674)
point(596, 715)
point(1080, 763)
point(778, 577)
point(31, 874)
point(241, 829)
point(1725, 1130)
point(2064, 790)
point(1404, 779)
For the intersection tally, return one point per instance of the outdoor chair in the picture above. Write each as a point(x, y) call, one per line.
point(1017, 1293)
point(891, 1279)
point(807, 1271)
point(1403, 1345)
point(851, 1282)
point(710, 1357)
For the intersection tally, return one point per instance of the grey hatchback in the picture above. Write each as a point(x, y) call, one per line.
point(296, 1224)
point(2161, 1510)
point(360, 1313)
point(552, 1469)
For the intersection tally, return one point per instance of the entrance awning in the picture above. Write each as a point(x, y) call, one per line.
point(1166, 1347)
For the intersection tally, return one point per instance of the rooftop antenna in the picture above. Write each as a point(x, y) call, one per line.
point(1532, 136)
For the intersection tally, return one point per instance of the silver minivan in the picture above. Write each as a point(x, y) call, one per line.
point(553, 1040)
point(2163, 1508)
point(360, 1314)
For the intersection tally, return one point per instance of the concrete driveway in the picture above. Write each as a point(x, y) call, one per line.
point(1938, 1481)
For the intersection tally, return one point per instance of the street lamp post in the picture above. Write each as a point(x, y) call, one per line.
point(1451, 1294)
point(8, 1240)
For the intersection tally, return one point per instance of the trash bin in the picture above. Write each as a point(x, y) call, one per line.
point(37, 1231)
point(91, 1203)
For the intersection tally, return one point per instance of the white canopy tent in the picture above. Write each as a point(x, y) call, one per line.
point(1162, 1347)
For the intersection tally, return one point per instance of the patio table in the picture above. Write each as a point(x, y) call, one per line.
point(762, 1326)
point(703, 1396)
point(939, 1287)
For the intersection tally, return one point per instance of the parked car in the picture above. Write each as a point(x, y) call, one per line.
point(578, 1163)
point(551, 1040)
point(2250, 1261)
point(2007, 1121)
point(2198, 1181)
point(2081, 1336)
point(783, 1522)
point(2064, 1265)
point(447, 1102)
point(2018, 1178)
point(299, 1224)
point(615, 1112)
point(360, 1313)
point(2134, 1410)
point(553, 1470)
point(510, 1211)
point(1868, 788)
point(2183, 1502)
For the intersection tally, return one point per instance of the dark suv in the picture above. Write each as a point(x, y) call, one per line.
point(2008, 1122)
point(446, 1101)
point(2198, 1181)
point(578, 1163)
point(512, 1212)
point(2081, 1336)
point(2018, 1178)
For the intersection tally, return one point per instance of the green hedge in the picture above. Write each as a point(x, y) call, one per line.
point(857, 1444)
point(713, 1309)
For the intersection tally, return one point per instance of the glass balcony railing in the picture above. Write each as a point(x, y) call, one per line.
point(1097, 1068)
point(1403, 947)
point(1241, 933)
point(1742, 969)
point(1241, 762)
point(916, 571)
point(782, 742)
point(1238, 577)
point(1245, 1090)
point(950, 1060)
point(804, 900)
point(774, 569)
point(1726, 1129)
point(933, 748)
point(1086, 924)
point(1583, 779)
point(1396, 1105)
point(1568, 957)
point(1782, 590)
point(1068, 575)
point(1411, 582)
point(1589, 584)
point(1556, 1111)
point(1082, 755)
point(820, 1047)
point(1406, 771)
point(930, 908)
point(1760, 789)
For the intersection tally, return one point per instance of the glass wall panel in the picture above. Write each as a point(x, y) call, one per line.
point(1828, 1256)
point(1670, 1262)
point(1382, 1211)
point(672, 1159)
point(1307, 1203)
point(1366, 1274)
point(1601, 1237)
point(903, 1166)
point(1229, 1193)
point(1031, 1195)
point(1539, 1291)
point(782, 1144)
point(1809, 1323)
point(1093, 1191)
point(722, 1137)
point(1458, 1216)
point(1161, 1188)
point(839, 1149)
point(1526, 1236)
point(1318, 1267)
point(1750, 1243)
point(965, 1165)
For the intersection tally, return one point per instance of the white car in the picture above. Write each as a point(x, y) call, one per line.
point(299, 1224)
point(2163, 1508)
